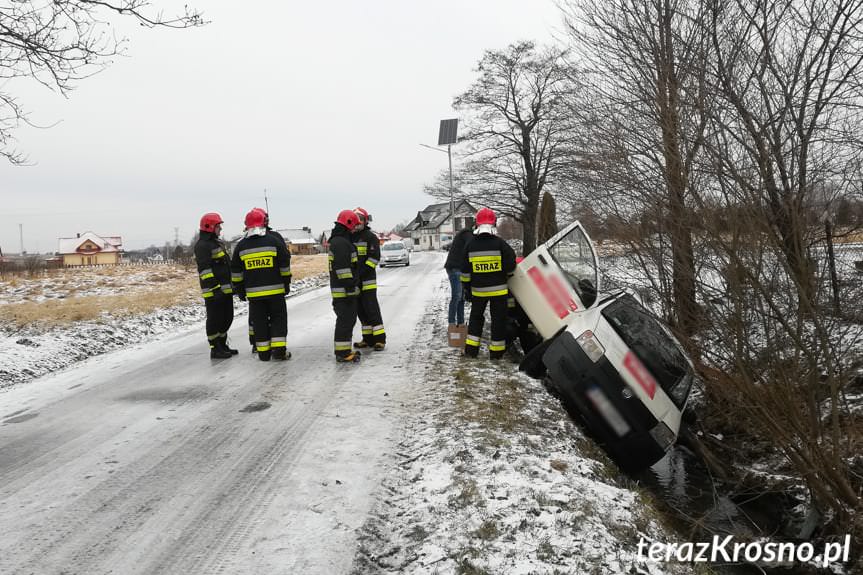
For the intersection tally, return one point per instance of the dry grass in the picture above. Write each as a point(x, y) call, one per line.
point(165, 287)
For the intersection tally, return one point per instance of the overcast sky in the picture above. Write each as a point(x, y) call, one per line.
point(324, 104)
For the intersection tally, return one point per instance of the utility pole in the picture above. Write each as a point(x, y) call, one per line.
point(448, 136)
point(21, 233)
point(176, 236)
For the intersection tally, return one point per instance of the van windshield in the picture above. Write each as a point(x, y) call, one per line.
point(656, 349)
point(574, 254)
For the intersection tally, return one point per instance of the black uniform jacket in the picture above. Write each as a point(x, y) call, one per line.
point(260, 267)
point(456, 249)
point(368, 248)
point(343, 259)
point(486, 266)
point(214, 267)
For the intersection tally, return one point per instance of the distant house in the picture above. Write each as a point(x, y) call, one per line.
point(89, 249)
point(300, 241)
point(433, 224)
point(385, 237)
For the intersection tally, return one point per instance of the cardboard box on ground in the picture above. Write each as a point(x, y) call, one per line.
point(456, 334)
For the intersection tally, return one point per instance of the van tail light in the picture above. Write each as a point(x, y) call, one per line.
point(590, 345)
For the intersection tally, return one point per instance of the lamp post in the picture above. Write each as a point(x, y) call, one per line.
point(447, 137)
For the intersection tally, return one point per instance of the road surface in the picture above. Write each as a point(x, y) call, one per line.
point(156, 459)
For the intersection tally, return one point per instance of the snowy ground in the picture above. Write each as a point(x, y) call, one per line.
point(153, 459)
point(33, 350)
point(491, 476)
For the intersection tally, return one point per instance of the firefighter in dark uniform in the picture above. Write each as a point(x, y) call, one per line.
point(368, 248)
point(214, 273)
point(279, 237)
point(260, 273)
point(344, 284)
point(487, 265)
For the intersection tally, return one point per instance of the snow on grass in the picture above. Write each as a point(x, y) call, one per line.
point(492, 476)
point(52, 321)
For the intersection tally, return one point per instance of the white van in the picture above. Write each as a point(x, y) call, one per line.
point(613, 364)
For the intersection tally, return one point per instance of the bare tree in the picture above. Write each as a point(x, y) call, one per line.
point(59, 42)
point(783, 145)
point(516, 130)
point(547, 218)
point(641, 130)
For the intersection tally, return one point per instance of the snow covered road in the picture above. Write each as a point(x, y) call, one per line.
point(156, 459)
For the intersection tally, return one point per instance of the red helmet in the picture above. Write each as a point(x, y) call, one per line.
point(363, 215)
point(266, 215)
point(209, 221)
point(256, 218)
point(486, 217)
point(348, 219)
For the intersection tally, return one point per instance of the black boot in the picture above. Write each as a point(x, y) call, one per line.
point(222, 343)
point(351, 357)
point(218, 353)
point(264, 355)
point(281, 354)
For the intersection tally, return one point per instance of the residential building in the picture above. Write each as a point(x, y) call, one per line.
point(89, 249)
point(300, 241)
point(432, 225)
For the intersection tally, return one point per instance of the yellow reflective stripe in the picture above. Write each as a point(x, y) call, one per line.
point(465, 278)
point(207, 276)
point(264, 293)
point(345, 276)
point(484, 259)
point(367, 330)
point(362, 250)
point(372, 263)
point(342, 345)
point(279, 344)
point(475, 293)
point(208, 294)
point(472, 341)
point(246, 256)
point(379, 331)
point(218, 254)
point(370, 287)
point(263, 347)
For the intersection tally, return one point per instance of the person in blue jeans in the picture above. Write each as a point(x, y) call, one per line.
point(453, 270)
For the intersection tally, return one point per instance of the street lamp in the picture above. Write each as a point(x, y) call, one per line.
point(447, 136)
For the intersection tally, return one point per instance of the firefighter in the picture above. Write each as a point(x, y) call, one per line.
point(260, 273)
point(344, 284)
point(368, 248)
point(279, 237)
point(487, 264)
point(214, 273)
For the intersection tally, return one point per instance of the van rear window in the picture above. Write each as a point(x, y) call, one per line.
point(660, 354)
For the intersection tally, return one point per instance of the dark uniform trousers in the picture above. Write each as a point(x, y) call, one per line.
point(269, 317)
point(220, 316)
point(346, 317)
point(369, 313)
point(499, 321)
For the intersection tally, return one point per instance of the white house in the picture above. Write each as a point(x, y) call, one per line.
point(433, 224)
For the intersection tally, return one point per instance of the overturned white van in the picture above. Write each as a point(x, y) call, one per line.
point(613, 364)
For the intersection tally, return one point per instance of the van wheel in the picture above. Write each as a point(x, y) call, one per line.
point(407, 264)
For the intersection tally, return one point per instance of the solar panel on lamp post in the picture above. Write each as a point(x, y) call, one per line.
point(447, 136)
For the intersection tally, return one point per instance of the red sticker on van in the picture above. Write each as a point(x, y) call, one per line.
point(547, 292)
point(640, 373)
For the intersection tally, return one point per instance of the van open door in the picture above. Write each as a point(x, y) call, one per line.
point(557, 279)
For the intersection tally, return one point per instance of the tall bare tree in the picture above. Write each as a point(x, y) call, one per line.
point(641, 130)
point(516, 130)
point(58, 42)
